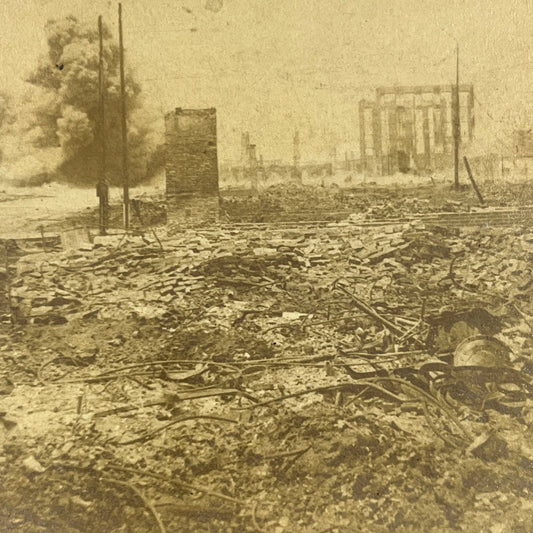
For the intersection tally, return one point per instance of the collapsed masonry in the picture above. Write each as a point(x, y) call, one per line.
point(191, 167)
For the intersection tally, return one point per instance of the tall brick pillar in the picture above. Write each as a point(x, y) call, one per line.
point(191, 167)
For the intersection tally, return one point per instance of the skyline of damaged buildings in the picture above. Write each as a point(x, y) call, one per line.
point(407, 129)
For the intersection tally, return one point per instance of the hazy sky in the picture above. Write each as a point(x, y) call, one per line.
point(272, 66)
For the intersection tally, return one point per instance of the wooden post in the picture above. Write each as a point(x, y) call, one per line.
point(362, 138)
point(296, 156)
point(456, 125)
point(125, 176)
point(479, 197)
point(8, 284)
point(102, 184)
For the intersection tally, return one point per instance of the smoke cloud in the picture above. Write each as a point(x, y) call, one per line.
point(54, 132)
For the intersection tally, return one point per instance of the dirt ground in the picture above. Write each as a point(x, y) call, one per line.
point(273, 379)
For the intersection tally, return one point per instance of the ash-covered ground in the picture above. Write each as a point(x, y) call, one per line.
point(363, 366)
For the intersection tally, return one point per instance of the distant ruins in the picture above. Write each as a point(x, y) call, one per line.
point(191, 166)
point(249, 163)
point(253, 172)
point(523, 143)
point(406, 129)
point(411, 128)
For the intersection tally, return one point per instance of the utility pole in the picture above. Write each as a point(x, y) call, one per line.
point(456, 125)
point(125, 177)
point(102, 190)
point(296, 156)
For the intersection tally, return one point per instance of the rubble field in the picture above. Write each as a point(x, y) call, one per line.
point(293, 202)
point(332, 378)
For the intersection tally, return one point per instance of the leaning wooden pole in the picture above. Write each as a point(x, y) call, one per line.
point(125, 175)
point(473, 181)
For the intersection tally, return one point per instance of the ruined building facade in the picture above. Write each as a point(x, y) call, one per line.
point(523, 143)
point(191, 166)
point(411, 128)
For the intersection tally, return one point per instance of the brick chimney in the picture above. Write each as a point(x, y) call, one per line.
point(191, 167)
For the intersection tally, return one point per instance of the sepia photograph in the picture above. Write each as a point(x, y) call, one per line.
point(266, 267)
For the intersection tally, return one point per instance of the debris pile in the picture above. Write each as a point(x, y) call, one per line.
point(409, 261)
point(297, 202)
point(214, 374)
